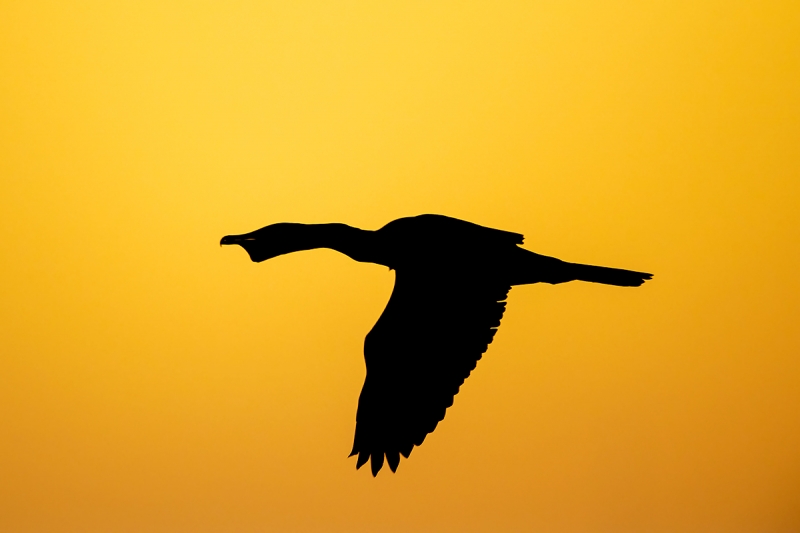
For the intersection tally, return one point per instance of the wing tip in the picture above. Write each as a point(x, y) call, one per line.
point(393, 459)
point(376, 459)
point(363, 457)
point(377, 463)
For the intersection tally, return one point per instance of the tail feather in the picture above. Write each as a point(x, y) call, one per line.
point(608, 276)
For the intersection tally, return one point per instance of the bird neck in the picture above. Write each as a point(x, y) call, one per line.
point(358, 244)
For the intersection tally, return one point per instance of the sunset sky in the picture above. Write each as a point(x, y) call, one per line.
point(151, 381)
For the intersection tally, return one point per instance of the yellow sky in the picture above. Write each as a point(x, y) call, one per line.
point(152, 381)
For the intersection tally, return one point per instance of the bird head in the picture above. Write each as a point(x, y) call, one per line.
point(270, 241)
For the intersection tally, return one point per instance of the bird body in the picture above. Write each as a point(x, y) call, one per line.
point(452, 280)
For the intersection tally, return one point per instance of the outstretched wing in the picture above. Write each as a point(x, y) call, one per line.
point(425, 344)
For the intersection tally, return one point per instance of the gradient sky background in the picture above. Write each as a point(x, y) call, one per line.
point(152, 381)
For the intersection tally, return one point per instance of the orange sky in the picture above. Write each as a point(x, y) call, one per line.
point(152, 381)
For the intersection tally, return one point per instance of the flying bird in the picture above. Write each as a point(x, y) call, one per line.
point(451, 283)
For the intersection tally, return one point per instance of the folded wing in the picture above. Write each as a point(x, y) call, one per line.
point(425, 344)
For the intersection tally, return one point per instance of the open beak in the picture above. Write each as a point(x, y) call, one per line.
point(251, 245)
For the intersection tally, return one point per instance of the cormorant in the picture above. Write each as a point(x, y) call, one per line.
point(452, 280)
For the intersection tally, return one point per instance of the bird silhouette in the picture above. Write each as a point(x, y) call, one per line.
point(452, 280)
